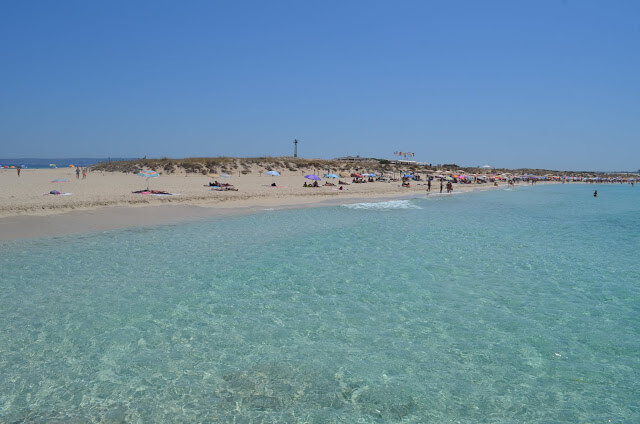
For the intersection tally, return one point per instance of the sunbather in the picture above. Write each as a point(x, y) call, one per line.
point(224, 189)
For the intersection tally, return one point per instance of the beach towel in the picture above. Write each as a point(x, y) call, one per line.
point(155, 193)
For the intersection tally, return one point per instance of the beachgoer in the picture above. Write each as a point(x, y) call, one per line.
point(429, 184)
point(84, 173)
point(273, 184)
point(77, 173)
point(19, 168)
point(441, 186)
point(341, 187)
point(595, 193)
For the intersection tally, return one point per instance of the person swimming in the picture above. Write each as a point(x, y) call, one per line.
point(595, 193)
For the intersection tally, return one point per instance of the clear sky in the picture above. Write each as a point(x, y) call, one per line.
point(540, 83)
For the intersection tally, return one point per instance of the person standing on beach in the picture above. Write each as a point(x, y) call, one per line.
point(84, 173)
point(429, 184)
point(19, 168)
point(441, 185)
point(77, 173)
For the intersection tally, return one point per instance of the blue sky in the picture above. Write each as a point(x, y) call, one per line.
point(541, 84)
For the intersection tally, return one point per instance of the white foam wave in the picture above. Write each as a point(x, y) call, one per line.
point(389, 205)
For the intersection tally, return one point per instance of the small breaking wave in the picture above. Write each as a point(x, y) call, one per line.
point(389, 205)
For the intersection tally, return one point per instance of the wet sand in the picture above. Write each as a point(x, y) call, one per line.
point(105, 201)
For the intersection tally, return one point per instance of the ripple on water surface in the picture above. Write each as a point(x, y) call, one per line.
point(516, 306)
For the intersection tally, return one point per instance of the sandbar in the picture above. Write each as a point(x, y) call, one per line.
point(106, 200)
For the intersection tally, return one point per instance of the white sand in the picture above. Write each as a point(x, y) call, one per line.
point(105, 200)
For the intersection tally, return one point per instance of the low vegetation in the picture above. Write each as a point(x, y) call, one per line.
point(248, 166)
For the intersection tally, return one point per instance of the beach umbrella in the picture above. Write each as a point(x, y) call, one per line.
point(56, 181)
point(313, 177)
point(148, 174)
point(225, 175)
point(332, 176)
point(273, 174)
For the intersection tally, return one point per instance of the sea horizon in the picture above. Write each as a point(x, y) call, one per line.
point(46, 163)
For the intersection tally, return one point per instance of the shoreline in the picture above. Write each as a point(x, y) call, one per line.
point(87, 221)
point(104, 201)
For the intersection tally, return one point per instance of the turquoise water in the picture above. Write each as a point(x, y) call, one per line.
point(510, 306)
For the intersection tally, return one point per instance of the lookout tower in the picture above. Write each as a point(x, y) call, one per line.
point(295, 148)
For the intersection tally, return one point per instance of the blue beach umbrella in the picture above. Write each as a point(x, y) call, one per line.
point(332, 176)
point(146, 173)
point(313, 177)
point(273, 174)
point(57, 181)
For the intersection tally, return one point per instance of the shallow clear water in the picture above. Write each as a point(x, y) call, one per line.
point(517, 305)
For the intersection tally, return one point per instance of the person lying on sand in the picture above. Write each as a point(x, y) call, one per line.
point(152, 192)
point(329, 184)
point(226, 188)
point(342, 182)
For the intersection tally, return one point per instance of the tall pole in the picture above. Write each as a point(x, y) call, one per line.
point(295, 148)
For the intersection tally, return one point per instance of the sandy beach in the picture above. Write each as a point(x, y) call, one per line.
point(106, 200)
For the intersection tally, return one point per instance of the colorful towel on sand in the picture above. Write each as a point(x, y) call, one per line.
point(156, 193)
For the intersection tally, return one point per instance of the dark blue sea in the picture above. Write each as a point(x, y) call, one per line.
point(39, 163)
